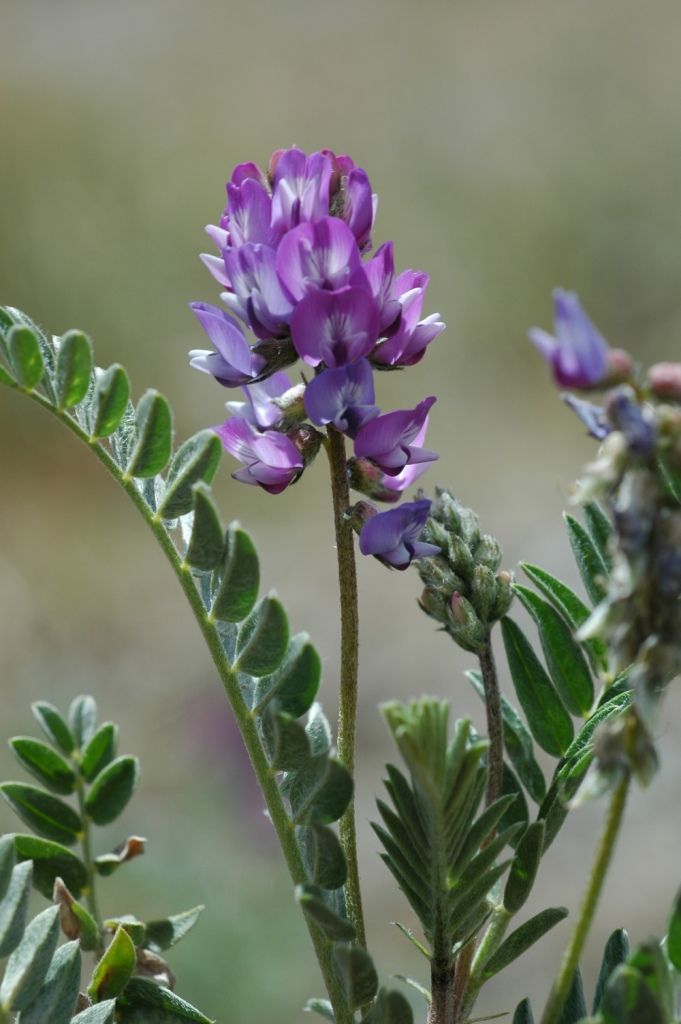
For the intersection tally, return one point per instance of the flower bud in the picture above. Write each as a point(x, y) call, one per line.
point(664, 380)
point(505, 595)
point(488, 552)
point(292, 406)
point(483, 591)
point(368, 478)
point(306, 439)
point(635, 422)
point(359, 514)
point(463, 624)
point(461, 557)
point(437, 572)
point(620, 367)
point(434, 603)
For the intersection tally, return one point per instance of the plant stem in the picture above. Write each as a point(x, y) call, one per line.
point(91, 891)
point(349, 665)
point(604, 852)
point(495, 733)
point(266, 777)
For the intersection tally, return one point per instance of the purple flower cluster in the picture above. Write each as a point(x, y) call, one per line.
point(296, 267)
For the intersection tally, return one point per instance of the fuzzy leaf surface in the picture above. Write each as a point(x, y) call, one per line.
point(14, 908)
point(112, 789)
point(154, 422)
point(44, 763)
point(74, 369)
point(27, 966)
point(50, 861)
point(47, 815)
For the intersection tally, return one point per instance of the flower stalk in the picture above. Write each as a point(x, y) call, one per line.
point(349, 664)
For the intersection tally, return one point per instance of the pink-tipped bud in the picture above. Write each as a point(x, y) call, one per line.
point(620, 367)
point(458, 610)
point(359, 514)
point(664, 380)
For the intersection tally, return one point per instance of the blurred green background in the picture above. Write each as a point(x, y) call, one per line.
point(515, 144)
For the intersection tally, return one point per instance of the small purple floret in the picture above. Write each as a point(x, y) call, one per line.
point(578, 354)
point(393, 536)
point(271, 460)
point(233, 361)
point(319, 255)
point(259, 409)
point(343, 397)
point(255, 294)
point(390, 440)
point(592, 416)
point(335, 327)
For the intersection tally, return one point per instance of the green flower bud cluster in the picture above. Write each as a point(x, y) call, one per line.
point(464, 590)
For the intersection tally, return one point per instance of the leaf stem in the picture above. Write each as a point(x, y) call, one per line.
point(604, 852)
point(266, 777)
point(349, 664)
point(86, 846)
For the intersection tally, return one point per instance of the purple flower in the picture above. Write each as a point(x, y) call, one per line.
point(301, 187)
point(393, 536)
point(255, 294)
point(320, 255)
point(343, 397)
point(359, 206)
point(259, 409)
point(365, 476)
point(390, 440)
point(233, 362)
point(335, 327)
point(578, 354)
point(271, 460)
point(636, 423)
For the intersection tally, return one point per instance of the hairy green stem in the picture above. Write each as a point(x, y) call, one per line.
point(266, 777)
point(495, 733)
point(349, 665)
point(604, 852)
point(86, 847)
point(461, 998)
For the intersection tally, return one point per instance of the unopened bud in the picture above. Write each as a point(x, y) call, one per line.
point(434, 603)
point(505, 595)
point(437, 572)
point(483, 591)
point(664, 380)
point(306, 439)
point(488, 552)
point(272, 165)
point(461, 558)
point(464, 626)
point(620, 368)
point(367, 478)
point(359, 513)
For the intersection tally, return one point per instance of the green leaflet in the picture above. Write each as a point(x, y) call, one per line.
point(14, 908)
point(523, 1013)
point(47, 815)
point(570, 606)
point(112, 789)
point(100, 751)
point(54, 726)
point(296, 681)
point(74, 369)
point(195, 460)
point(263, 638)
point(615, 953)
point(524, 867)
point(166, 932)
point(356, 973)
point(517, 742)
point(592, 568)
point(45, 764)
point(674, 933)
point(112, 391)
point(57, 996)
point(565, 661)
point(27, 966)
point(311, 900)
point(323, 855)
point(51, 860)
point(574, 1007)
point(145, 1002)
point(7, 863)
point(548, 720)
point(320, 791)
point(83, 720)
point(600, 530)
point(322, 1007)
point(207, 543)
point(100, 1013)
point(285, 738)
point(114, 970)
point(390, 1007)
point(522, 938)
point(25, 356)
point(154, 443)
point(237, 579)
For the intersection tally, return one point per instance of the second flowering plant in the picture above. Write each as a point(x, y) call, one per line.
point(465, 822)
